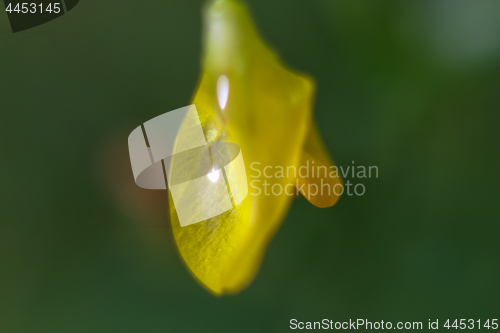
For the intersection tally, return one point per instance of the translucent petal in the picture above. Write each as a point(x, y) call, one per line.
point(246, 96)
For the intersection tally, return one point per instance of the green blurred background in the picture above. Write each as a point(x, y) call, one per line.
point(412, 87)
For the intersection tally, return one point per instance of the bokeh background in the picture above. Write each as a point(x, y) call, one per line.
point(412, 87)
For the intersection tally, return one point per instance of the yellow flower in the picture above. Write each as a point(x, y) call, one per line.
point(248, 97)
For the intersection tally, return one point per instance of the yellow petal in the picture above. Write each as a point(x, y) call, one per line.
point(318, 187)
point(245, 96)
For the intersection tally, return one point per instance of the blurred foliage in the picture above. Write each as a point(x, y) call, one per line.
point(410, 86)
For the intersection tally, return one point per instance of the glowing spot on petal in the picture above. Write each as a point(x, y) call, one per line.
point(222, 91)
point(213, 176)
